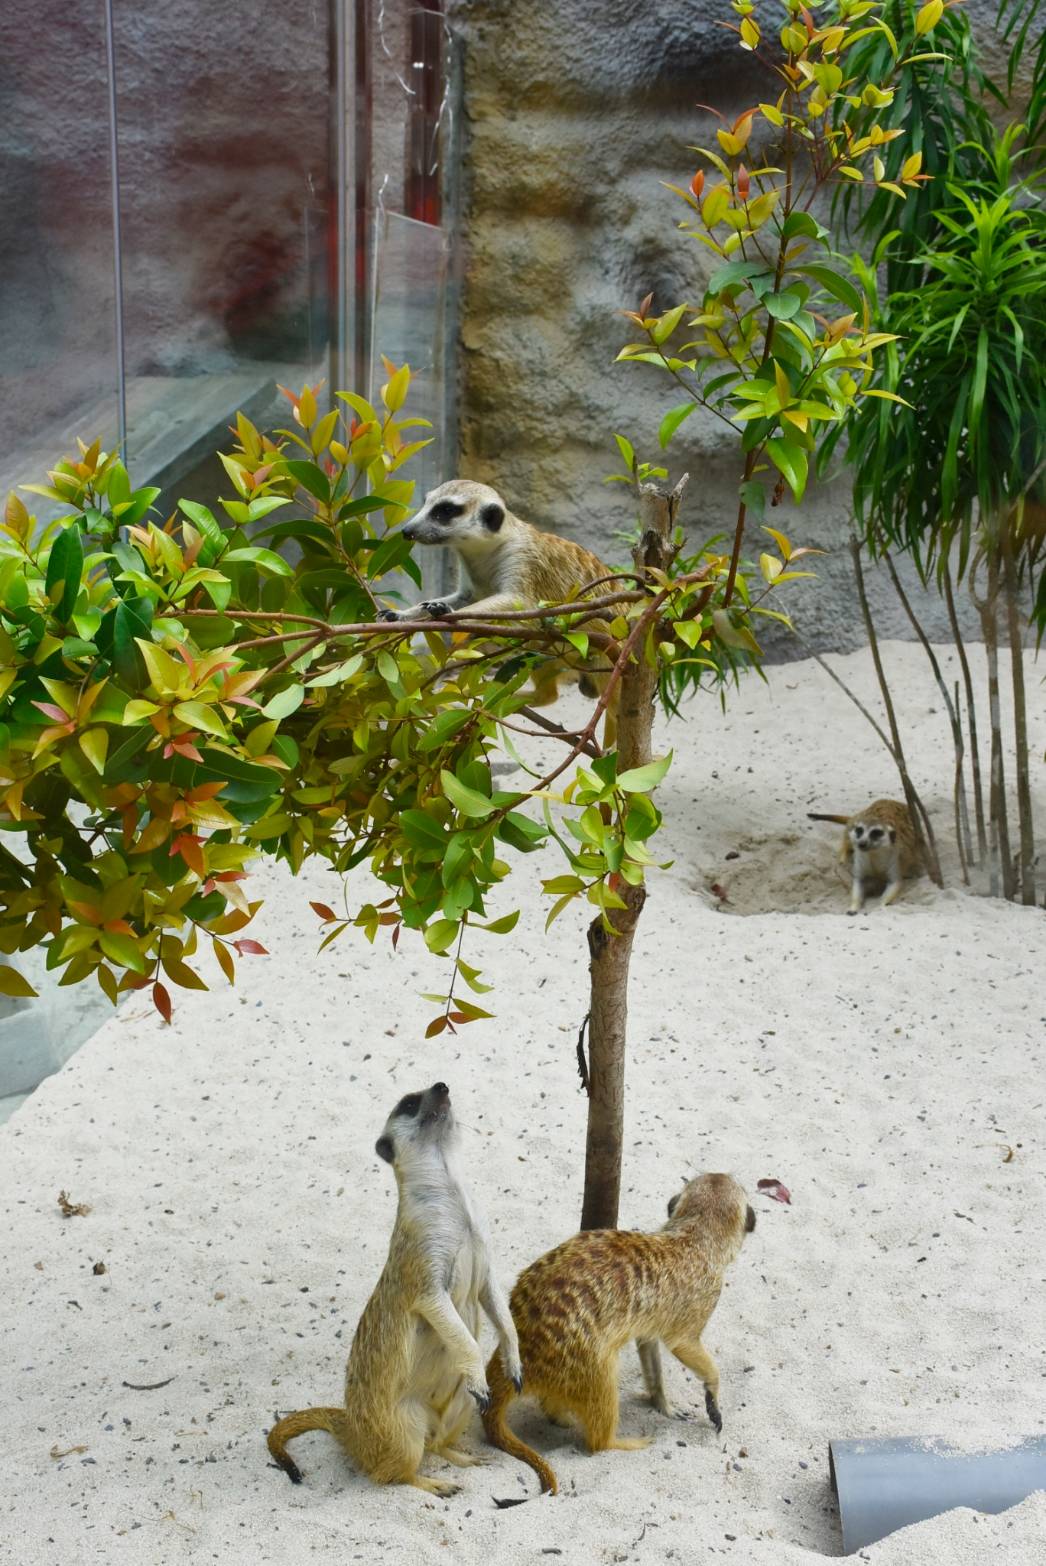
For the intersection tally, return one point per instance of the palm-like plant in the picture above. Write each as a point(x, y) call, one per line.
point(954, 475)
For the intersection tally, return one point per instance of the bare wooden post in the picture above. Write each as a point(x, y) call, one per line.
point(971, 717)
point(611, 955)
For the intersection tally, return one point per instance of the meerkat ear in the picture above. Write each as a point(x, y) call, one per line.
point(492, 516)
point(749, 1220)
point(673, 1203)
point(383, 1148)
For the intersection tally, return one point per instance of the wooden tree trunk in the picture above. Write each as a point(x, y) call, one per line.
point(611, 955)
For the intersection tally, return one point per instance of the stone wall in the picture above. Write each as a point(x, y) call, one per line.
point(575, 110)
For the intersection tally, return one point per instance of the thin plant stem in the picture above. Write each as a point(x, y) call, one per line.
point(971, 714)
point(1025, 819)
point(916, 809)
point(959, 790)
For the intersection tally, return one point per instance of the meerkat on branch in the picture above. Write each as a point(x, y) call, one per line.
point(504, 564)
point(576, 1308)
point(882, 845)
point(415, 1366)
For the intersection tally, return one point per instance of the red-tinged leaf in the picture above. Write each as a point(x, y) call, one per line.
point(326, 914)
point(396, 937)
point(184, 747)
point(49, 710)
point(775, 1189)
point(191, 850)
point(437, 1025)
point(88, 913)
point(697, 184)
point(251, 948)
point(162, 1001)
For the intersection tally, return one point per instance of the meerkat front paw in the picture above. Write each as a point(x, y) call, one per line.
point(712, 1410)
point(513, 1366)
point(436, 609)
point(481, 1392)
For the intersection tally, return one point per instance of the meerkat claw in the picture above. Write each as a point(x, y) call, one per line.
point(387, 614)
point(517, 1382)
point(712, 1410)
point(436, 609)
point(482, 1396)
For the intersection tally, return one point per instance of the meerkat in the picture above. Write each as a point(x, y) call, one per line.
point(415, 1365)
point(882, 844)
point(576, 1308)
point(504, 564)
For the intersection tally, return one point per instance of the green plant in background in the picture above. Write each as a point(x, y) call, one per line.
point(954, 474)
point(177, 698)
point(780, 346)
point(956, 479)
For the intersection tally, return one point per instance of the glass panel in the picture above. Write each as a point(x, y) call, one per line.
point(58, 365)
point(227, 215)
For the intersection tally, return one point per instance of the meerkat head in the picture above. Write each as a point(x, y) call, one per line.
point(718, 1205)
point(419, 1121)
point(461, 513)
point(870, 834)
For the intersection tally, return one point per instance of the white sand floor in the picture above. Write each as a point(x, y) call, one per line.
point(881, 1067)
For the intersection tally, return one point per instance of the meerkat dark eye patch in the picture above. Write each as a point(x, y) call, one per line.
point(492, 516)
point(409, 1106)
point(749, 1220)
point(445, 511)
point(383, 1148)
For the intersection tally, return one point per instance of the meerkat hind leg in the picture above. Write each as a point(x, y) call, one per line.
point(450, 1454)
point(893, 891)
point(555, 1410)
point(438, 1487)
point(650, 1364)
point(597, 1409)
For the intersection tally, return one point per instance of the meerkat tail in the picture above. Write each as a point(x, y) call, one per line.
point(295, 1425)
point(812, 815)
point(502, 1392)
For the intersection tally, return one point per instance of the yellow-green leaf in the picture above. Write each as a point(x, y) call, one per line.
point(95, 745)
point(928, 16)
point(11, 981)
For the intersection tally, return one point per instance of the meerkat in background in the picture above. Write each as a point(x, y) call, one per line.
point(882, 844)
point(415, 1364)
point(576, 1308)
point(505, 564)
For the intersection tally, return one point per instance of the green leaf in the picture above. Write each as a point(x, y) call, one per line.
point(839, 287)
point(441, 934)
point(310, 477)
point(11, 981)
point(736, 272)
point(65, 565)
point(200, 716)
point(784, 305)
point(466, 799)
point(122, 949)
point(753, 496)
point(265, 559)
point(640, 780)
point(208, 525)
point(667, 324)
point(284, 702)
point(672, 420)
point(627, 452)
point(503, 925)
point(792, 461)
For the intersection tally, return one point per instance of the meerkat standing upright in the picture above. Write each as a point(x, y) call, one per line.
point(576, 1308)
point(885, 851)
point(504, 564)
point(415, 1361)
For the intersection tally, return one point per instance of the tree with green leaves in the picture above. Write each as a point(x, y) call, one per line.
point(178, 697)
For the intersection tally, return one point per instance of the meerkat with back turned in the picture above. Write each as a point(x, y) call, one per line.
point(576, 1308)
point(504, 564)
point(415, 1366)
point(884, 850)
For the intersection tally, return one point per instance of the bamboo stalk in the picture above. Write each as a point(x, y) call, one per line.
point(998, 819)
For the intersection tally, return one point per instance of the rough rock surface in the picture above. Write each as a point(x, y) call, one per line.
point(575, 111)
